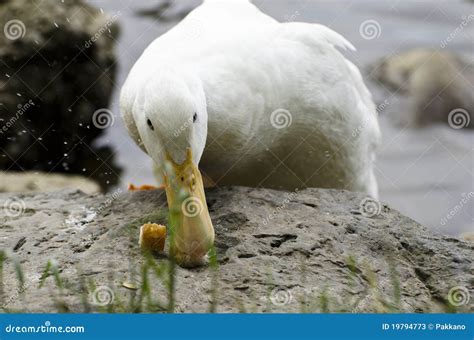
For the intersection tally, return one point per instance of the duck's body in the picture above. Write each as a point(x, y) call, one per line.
point(285, 108)
point(249, 101)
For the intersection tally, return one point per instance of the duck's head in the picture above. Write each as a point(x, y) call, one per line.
point(172, 124)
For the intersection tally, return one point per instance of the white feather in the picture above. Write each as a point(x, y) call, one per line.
point(244, 66)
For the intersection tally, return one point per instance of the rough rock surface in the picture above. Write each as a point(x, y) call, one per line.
point(308, 251)
point(44, 182)
point(57, 68)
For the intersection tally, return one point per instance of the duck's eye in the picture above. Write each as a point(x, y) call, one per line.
point(195, 117)
point(150, 125)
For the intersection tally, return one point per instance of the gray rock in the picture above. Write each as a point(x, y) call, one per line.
point(313, 250)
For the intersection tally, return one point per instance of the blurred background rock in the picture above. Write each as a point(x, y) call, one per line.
point(57, 67)
point(29, 181)
point(438, 84)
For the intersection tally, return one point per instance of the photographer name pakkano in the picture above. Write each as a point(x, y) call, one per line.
point(449, 327)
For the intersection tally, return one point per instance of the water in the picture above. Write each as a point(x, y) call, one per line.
point(423, 173)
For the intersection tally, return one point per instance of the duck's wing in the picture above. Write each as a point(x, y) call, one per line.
point(318, 36)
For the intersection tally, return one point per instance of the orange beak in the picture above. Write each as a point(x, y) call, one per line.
point(192, 233)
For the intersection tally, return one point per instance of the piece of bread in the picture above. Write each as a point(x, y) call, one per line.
point(152, 237)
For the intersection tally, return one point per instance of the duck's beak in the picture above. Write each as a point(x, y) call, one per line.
point(193, 233)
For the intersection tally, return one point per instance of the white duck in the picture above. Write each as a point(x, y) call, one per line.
point(253, 102)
